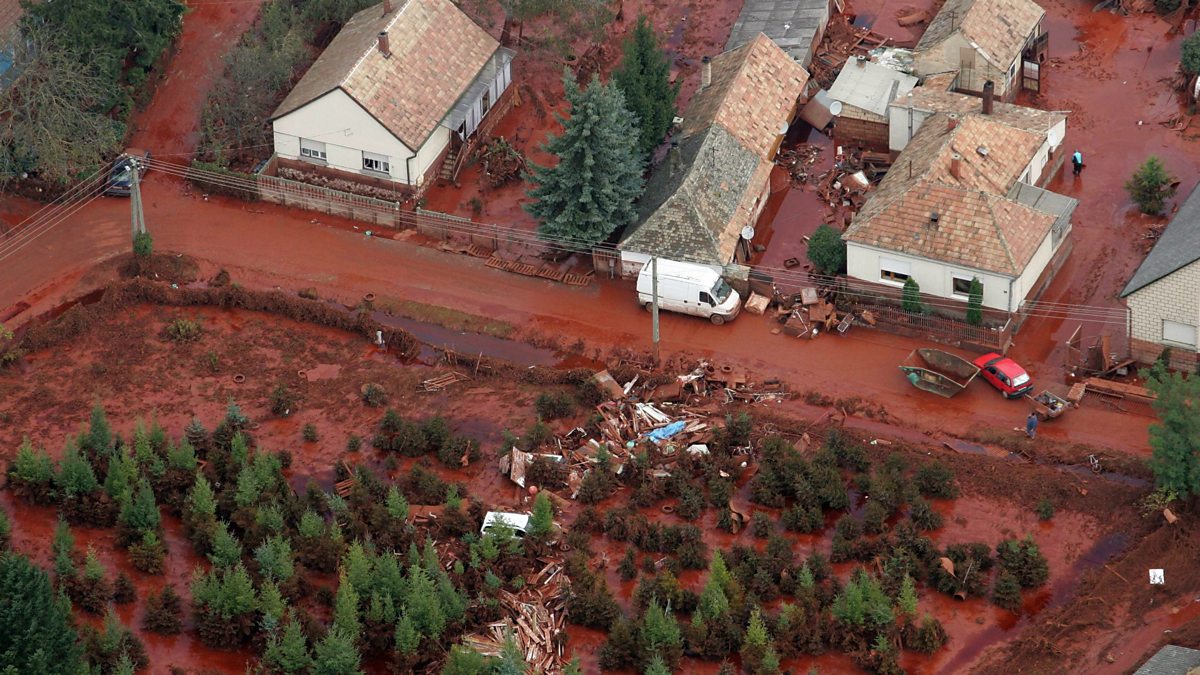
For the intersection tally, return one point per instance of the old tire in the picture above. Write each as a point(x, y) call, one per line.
point(717, 319)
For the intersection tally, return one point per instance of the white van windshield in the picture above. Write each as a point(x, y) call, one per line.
point(721, 291)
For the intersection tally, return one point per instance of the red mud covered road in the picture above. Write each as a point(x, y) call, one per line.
point(266, 245)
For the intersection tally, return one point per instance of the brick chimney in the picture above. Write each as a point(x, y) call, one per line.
point(933, 220)
point(989, 96)
point(956, 166)
point(383, 44)
point(387, 7)
point(705, 72)
point(951, 121)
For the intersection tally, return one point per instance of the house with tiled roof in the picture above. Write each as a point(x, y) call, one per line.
point(997, 40)
point(908, 112)
point(956, 206)
point(716, 178)
point(402, 86)
point(1163, 295)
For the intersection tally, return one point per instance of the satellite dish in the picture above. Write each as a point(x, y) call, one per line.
point(835, 108)
point(748, 232)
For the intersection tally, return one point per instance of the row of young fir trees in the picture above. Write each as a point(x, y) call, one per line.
point(394, 598)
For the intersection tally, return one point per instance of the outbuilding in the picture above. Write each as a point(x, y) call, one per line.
point(1164, 294)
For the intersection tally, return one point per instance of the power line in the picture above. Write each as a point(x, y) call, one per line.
point(846, 286)
point(55, 213)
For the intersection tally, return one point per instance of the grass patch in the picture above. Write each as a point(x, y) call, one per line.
point(446, 317)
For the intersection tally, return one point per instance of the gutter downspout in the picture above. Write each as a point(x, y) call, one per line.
point(408, 171)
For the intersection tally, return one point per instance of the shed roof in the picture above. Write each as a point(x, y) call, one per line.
point(998, 28)
point(934, 99)
point(979, 225)
point(698, 200)
point(870, 86)
point(1170, 660)
point(1178, 247)
point(791, 24)
point(436, 53)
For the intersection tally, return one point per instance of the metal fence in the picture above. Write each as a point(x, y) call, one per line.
point(941, 329)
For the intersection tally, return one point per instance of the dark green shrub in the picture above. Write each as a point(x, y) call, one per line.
point(910, 298)
point(309, 433)
point(936, 480)
point(164, 612)
point(628, 567)
point(554, 405)
point(760, 524)
point(924, 516)
point(827, 251)
point(283, 400)
point(874, 517)
point(183, 330)
point(1006, 592)
point(354, 443)
point(124, 591)
point(1024, 560)
point(928, 638)
point(1045, 509)
point(374, 395)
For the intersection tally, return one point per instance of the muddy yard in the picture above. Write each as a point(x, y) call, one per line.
point(126, 362)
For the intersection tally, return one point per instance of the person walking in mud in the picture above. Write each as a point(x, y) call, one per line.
point(1031, 423)
point(1077, 162)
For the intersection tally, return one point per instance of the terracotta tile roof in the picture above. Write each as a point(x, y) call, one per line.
point(978, 225)
point(998, 27)
point(436, 52)
point(933, 99)
point(696, 204)
point(753, 91)
point(10, 12)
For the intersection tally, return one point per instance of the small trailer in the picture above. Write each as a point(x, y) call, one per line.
point(939, 372)
point(1048, 405)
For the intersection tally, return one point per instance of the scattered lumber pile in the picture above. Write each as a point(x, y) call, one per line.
point(442, 381)
point(1119, 390)
point(682, 414)
point(798, 161)
point(535, 618)
point(841, 41)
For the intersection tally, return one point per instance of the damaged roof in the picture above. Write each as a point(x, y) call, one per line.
point(435, 53)
point(978, 224)
point(869, 86)
point(998, 28)
point(791, 24)
point(1178, 247)
point(698, 199)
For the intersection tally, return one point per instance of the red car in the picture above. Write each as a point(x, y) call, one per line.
point(1005, 375)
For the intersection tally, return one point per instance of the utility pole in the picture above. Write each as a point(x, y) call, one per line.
point(654, 304)
point(137, 217)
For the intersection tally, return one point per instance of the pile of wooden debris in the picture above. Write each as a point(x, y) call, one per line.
point(535, 618)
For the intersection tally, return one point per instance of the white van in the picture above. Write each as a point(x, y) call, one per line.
point(689, 289)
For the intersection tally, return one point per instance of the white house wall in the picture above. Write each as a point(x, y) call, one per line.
point(346, 130)
point(430, 152)
point(1175, 297)
point(1037, 264)
point(935, 278)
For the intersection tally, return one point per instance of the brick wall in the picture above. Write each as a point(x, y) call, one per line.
point(1175, 297)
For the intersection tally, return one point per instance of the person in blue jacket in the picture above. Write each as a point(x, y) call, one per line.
point(1077, 162)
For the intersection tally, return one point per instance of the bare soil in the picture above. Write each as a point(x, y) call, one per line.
point(123, 360)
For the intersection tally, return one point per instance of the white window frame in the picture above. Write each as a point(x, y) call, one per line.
point(895, 268)
point(382, 163)
point(954, 276)
point(313, 150)
point(1178, 329)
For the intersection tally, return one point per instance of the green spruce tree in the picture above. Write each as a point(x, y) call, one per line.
point(592, 189)
point(644, 76)
point(336, 654)
point(1175, 437)
point(289, 653)
point(36, 632)
point(1151, 186)
point(975, 302)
